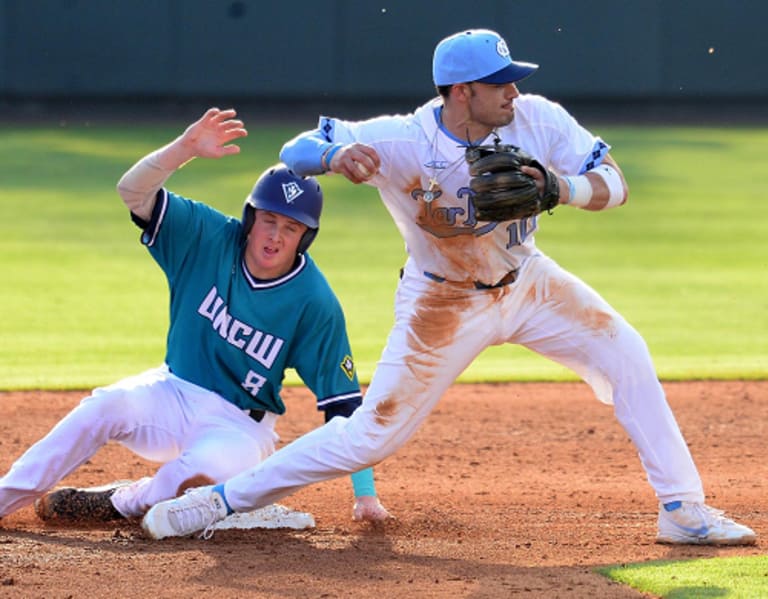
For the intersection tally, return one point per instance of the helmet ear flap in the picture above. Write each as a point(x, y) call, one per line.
point(306, 240)
point(249, 216)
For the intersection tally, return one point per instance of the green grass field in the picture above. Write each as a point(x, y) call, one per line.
point(686, 261)
point(735, 578)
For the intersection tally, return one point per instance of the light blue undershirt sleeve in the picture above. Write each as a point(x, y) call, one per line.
point(303, 154)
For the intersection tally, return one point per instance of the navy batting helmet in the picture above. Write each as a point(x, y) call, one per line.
point(282, 191)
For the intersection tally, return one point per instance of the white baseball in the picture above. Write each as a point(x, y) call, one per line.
point(364, 172)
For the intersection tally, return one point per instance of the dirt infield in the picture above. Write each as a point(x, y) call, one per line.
point(514, 490)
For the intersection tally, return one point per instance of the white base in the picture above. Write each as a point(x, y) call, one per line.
point(272, 516)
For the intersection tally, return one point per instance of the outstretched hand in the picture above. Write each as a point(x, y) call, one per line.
point(210, 136)
point(368, 508)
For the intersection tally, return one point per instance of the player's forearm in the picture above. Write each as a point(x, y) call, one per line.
point(308, 154)
point(601, 188)
point(138, 187)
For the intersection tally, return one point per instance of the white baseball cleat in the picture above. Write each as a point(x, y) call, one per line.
point(686, 523)
point(198, 509)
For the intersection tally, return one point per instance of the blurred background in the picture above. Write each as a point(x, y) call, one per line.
point(619, 59)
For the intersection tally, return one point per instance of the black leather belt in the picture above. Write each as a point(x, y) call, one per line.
point(257, 415)
point(507, 279)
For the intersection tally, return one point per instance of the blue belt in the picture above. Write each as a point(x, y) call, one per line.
point(507, 279)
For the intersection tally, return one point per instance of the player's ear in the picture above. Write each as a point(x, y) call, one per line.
point(461, 92)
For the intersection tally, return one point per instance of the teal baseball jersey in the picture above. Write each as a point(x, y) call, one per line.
point(234, 334)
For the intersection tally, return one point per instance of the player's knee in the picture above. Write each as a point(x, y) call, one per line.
point(628, 358)
point(381, 444)
point(196, 480)
point(219, 463)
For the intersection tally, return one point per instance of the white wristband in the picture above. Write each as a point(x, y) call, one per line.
point(579, 191)
point(613, 181)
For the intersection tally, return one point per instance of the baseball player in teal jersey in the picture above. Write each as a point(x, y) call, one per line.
point(469, 284)
point(246, 303)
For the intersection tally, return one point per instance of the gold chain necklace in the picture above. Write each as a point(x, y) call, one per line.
point(433, 190)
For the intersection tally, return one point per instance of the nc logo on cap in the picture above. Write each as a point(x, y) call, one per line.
point(502, 49)
point(291, 191)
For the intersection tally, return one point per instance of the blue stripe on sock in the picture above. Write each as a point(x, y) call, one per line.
point(220, 490)
point(671, 506)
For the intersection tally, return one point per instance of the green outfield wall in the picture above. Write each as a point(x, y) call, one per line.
point(336, 49)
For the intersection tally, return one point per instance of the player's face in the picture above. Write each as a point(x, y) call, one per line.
point(272, 243)
point(492, 105)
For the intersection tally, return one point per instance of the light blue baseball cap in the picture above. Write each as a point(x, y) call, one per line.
point(476, 55)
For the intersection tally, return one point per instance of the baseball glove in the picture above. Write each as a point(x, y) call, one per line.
point(501, 190)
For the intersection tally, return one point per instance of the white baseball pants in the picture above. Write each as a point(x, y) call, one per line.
point(440, 328)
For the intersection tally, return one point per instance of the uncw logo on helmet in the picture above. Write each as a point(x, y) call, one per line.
point(291, 191)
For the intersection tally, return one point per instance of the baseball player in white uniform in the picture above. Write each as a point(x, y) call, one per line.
point(469, 284)
point(246, 302)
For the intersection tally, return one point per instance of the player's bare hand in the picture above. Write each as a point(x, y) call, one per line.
point(210, 136)
point(368, 508)
point(357, 162)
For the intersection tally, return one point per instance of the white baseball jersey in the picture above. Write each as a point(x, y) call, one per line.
point(440, 230)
